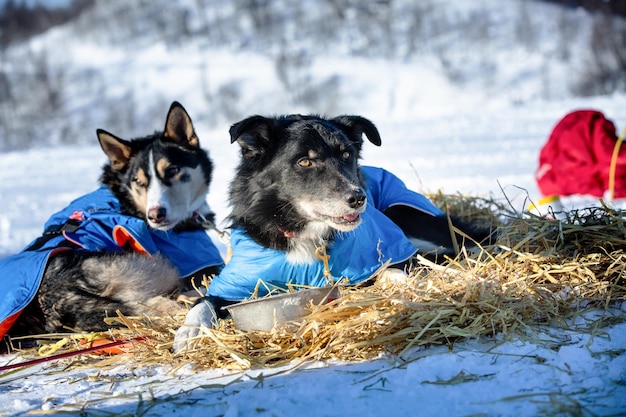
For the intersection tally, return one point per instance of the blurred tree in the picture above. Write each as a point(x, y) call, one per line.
point(19, 20)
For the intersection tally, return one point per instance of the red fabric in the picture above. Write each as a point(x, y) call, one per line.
point(123, 238)
point(576, 159)
point(7, 323)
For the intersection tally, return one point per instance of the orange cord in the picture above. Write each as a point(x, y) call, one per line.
point(613, 167)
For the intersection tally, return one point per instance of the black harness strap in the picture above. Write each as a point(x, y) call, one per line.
point(53, 231)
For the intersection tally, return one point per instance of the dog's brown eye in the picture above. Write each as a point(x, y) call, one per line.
point(305, 162)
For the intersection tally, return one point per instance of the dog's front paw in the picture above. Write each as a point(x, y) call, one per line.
point(202, 315)
point(392, 277)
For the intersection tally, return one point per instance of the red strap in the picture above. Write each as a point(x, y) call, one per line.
point(92, 349)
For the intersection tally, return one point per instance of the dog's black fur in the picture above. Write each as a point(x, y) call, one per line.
point(161, 178)
point(299, 181)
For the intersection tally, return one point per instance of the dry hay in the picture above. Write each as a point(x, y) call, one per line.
point(540, 271)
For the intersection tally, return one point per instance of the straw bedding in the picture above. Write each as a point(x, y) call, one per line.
point(540, 271)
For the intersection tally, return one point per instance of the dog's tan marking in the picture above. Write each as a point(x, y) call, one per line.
point(138, 189)
point(141, 179)
point(161, 165)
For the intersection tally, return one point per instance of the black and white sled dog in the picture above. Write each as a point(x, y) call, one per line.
point(162, 179)
point(299, 183)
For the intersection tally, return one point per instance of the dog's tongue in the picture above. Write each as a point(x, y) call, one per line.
point(350, 217)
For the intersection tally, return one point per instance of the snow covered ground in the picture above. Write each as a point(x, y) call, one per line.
point(561, 373)
point(479, 139)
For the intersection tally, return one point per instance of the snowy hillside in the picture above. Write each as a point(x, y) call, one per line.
point(119, 63)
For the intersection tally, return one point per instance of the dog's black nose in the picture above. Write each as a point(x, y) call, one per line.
point(157, 214)
point(355, 198)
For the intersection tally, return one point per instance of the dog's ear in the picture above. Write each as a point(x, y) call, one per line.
point(118, 150)
point(178, 127)
point(356, 126)
point(253, 135)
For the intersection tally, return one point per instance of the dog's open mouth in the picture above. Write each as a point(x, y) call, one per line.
point(336, 216)
point(348, 218)
point(346, 222)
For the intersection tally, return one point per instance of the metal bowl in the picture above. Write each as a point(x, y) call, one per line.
point(265, 313)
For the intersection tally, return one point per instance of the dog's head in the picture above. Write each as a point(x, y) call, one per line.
point(162, 178)
point(299, 176)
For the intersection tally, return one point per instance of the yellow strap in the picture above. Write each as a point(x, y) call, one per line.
point(543, 201)
point(613, 167)
point(47, 350)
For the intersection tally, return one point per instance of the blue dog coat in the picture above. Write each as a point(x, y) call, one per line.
point(95, 223)
point(354, 255)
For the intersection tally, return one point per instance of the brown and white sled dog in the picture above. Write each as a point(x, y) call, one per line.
point(162, 179)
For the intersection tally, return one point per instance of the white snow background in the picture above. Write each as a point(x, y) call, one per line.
point(479, 138)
